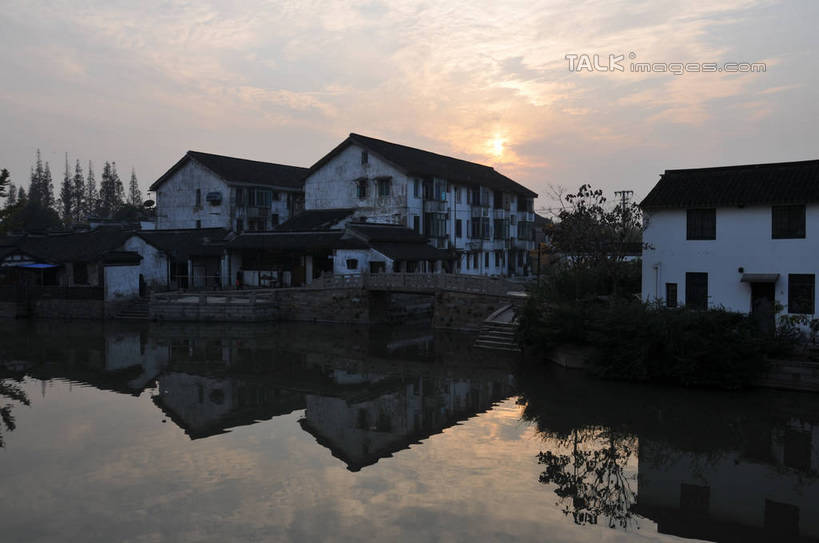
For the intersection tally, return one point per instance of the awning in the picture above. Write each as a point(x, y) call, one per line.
point(33, 266)
point(759, 277)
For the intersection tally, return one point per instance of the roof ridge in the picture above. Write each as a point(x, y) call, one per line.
point(194, 153)
point(738, 166)
point(355, 135)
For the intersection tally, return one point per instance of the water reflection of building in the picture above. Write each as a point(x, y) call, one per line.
point(712, 465)
point(361, 426)
point(768, 489)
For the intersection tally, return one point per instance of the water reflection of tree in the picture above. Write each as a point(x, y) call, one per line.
point(10, 390)
point(591, 479)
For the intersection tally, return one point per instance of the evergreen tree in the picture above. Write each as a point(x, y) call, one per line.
point(4, 183)
point(111, 190)
point(134, 194)
point(35, 189)
point(12, 198)
point(47, 189)
point(22, 197)
point(80, 195)
point(67, 195)
point(91, 195)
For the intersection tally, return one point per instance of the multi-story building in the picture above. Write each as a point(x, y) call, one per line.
point(739, 237)
point(212, 191)
point(484, 217)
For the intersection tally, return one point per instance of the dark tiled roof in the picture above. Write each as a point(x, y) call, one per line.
point(73, 247)
point(754, 184)
point(115, 258)
point(294, 241)
point(418, 162)
point(315, 220)
point(386, 232)
point(240, 170)
point(411, 251)
point(184, 243)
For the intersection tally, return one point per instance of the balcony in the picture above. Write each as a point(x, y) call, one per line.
point(475, 245)
point(257, 212)
point(480, 211)
point(524, 244)
point(435, 206)
point(500, 213)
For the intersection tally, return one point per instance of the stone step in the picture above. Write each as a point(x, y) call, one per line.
point(491, 342)
point(497, 348)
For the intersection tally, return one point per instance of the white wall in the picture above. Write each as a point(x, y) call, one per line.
point(364, 257)
point(333, 186)
point(154, 265)
point(743, 241)
point(176, 199)
point(121, 283)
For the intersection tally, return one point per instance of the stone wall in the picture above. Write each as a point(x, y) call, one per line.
point(462, 311)
point(68, 309)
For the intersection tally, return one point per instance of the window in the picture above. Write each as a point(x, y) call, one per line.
point(435, 225)
point(365, 157)
point(671, 294)
point(416, 188)
point(526, 231)
point(696, 290)
point(416, 224)
point(497, 258)
point(261, 198)
point(198, 224)
point(702, 224)
point(276, 196)
point(352, 263)
point(501, 229)
point(486, 260)
point(695, 498)
point(240, 196)
point(458, 195)
point(274, 219)
point(198, 198)
point(498, 199)
point(801, 292)
point(480, 228)
point(239, 226)
point(788, 222)
point(384, 187)
point(475, 261)
point(458, 228)
point(466, 257)
point(80, 270)
point(361, 188)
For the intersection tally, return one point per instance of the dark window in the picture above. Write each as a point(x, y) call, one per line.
point(362, 188)
point(80, 270)
point(486, 260)
point(801, 293)
point(788, 222)
point(416, 224)
point(468, 261)
point(240, 196)
point(198, 198)
point(497, 258)
point(352, 263)
point(695, 498)
point(365, 157)
point(475, 260)
point(274, 219)
point(781, 520)
point(797, 449)
point(480, 228)
point(501, 229)
point(198, 224)
point(239, 226)
point(276, 196)
point(458, 228)
point(416, 188)
point(498, 197)
point(671, 294)
point(383, 187)
point(702, 224)
point(696, 290)
point(435, 225)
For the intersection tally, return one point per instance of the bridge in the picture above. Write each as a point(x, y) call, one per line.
point(456, 301)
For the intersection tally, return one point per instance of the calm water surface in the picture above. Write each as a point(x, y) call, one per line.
point(318, 433)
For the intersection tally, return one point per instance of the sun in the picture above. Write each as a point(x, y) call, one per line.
point(496, 146)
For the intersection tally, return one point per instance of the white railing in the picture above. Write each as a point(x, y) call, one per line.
point(221, 297)
point(418, 282)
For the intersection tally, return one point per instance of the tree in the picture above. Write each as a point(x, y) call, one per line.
point(22, 197)
point(35, 189)
point(12, 391)
point(91, 195)
point(12, 197)
point(5, 183)
point(595, 239)
point(134, 194)
point(47, 189)
point(67, 195)
point(80, 195)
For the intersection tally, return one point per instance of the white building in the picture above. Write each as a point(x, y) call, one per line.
point(483, 216)
point(740, 237)
point(213, 191)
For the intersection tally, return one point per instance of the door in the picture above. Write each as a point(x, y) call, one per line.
point(762, 306)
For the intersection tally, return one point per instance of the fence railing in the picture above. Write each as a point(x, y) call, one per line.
point(418, 282)
point(221, 297)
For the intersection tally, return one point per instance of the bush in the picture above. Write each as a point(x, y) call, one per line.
point(638, 341)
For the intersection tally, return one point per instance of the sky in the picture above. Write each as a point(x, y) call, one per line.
point(140, 83)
